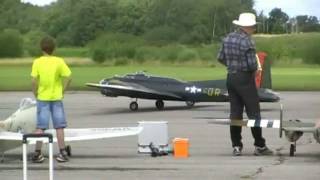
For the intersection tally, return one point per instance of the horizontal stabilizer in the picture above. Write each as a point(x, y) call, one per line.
point(290, 125)
point(264, 123)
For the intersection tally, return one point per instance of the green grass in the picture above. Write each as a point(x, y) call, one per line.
point(296, 78)
point(18, 77)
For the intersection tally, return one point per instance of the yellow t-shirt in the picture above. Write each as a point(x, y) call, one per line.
point(50, 71)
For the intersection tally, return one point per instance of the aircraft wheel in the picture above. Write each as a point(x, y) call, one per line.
point(68, 150)
point(134, 106)
point(292, 149)
point(190, 103)
point(160, 104)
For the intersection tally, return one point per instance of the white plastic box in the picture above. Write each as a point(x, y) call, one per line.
point(155, 132)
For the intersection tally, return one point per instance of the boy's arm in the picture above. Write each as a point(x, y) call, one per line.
point(35, 86)
point(66, 83)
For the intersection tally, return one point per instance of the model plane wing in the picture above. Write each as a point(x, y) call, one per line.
point(78, 134)
point(110, 86)
point(97, 133)
point(4, 135)
point(130, 88)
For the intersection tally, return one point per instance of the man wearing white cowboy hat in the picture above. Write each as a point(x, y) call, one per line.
point(239, 55)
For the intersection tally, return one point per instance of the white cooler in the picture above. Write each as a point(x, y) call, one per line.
point(155, 132)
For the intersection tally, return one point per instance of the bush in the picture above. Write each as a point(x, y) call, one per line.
point(121, 62)
point(311, 51)
point(188, 55)
point(112, 46)
point(11, 43)
point(208, 52)
point(162, 35)
point(146, 53)
point(99, 55)
point(199, 34)
point(169, 53)
point(32, 43)
point(290, 48)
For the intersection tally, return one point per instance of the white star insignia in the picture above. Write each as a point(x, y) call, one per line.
point(193, 89)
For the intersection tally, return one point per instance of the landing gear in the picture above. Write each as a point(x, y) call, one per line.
point(190, 103)
point(2, 158)
point(134, 106)
point(159, 104)
point(292, 149)
point(68, 150)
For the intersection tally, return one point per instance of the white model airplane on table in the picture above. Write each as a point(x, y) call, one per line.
point(24, 121)
point(293, 129)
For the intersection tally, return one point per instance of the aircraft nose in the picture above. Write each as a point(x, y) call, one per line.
point(276, 97)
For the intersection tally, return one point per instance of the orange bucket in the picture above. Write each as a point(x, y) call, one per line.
point(180, 147)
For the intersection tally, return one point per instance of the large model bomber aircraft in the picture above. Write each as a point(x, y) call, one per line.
point(144, 86)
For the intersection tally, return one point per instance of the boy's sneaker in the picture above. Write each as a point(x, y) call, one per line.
point(237, 150)
point(37, 157)
point(62, 157)
point(261, 151)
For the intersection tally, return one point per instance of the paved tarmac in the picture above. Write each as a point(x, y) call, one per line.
point(210, 147)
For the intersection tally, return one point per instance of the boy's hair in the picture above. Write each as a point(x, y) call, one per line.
point(47, 45)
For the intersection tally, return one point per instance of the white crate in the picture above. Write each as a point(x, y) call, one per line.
point(155, 132)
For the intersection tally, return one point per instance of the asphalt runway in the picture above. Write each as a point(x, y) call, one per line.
point(210, 146)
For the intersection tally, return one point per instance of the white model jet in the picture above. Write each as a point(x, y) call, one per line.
point(293, 129)
point(24, 121)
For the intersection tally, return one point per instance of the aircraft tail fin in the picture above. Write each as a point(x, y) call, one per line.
point(263, 79)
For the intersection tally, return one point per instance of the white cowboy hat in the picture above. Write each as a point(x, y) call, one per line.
point(245, 19)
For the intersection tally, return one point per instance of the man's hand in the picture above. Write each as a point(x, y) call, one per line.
point(258, 72)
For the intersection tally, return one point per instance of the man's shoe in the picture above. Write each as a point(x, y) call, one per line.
point(262, 151)
point(37, 157)
point(237, 150)
point(62, 157)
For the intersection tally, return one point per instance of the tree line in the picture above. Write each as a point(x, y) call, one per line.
point(279, 22)
point(79, 22)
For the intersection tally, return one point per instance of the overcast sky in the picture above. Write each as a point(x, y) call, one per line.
point(39, 2)
point(291, 7)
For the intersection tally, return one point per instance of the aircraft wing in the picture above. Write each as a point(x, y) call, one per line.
point(132, 88)
point(78, 134)
point(96, 133)
point(4, 135)
point(109, 86)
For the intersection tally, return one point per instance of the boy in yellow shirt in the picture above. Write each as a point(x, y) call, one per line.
point(50, 78)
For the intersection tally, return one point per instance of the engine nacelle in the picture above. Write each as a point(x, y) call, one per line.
point(316, 135)
point(107, 92)
point(293, 136)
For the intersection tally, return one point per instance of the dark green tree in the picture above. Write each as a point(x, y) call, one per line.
point(278, 21)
